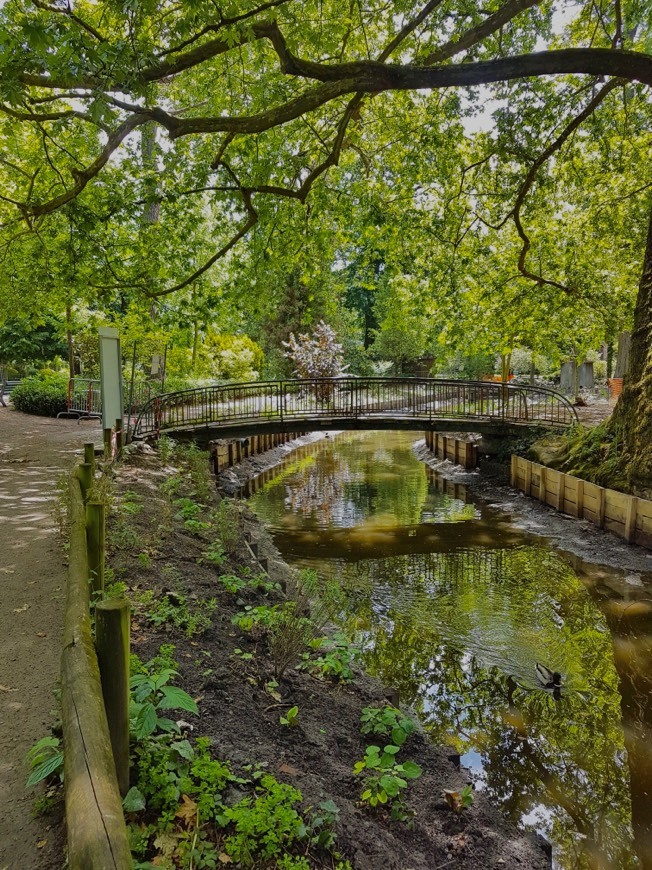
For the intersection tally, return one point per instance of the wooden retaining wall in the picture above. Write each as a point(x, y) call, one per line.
point(226, 454)
point(97, 834)
point(459, 452)
point(625, 515)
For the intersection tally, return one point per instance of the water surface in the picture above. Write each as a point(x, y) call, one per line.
point(454, 607)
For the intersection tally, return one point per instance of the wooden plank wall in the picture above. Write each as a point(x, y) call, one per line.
point(226, 454)
point(625, 515)
point(459, 452)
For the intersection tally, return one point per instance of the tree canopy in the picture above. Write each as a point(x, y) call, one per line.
point(478, 175)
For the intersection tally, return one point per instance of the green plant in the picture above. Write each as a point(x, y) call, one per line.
point(45, 395)
point(386, 721)
point(289, 634)
point(266, 826)
point(243, 656)
point(175, 609)
point(151, 694)
point(252, 617)
point(215, 555)
point(385, 780)
point(291, 718)
point(144, 559)
point(187, 509)
point(166, 447)
point(228, 523)
point(335, 661)
point(45, 759)
point(131, 502)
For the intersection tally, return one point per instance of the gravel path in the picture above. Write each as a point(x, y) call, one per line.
point(33, 453)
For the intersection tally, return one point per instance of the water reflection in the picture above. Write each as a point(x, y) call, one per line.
point(454, 608)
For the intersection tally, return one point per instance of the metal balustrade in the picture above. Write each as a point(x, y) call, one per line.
point(350, 402)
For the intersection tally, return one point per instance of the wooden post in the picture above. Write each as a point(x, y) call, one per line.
point(96, 542)
point(601, 499)
point(562, 492)
point(542, 484)
point(513, 471)
point(112, 645)
point(85, 474)
point(630, 519)
point(97, 835)
point(108, 438)
point(528, 478)
point(118, 437)
point(89, 455)
point(456, 452)
point(579, 499)
point(444, 446)
point(230, 459)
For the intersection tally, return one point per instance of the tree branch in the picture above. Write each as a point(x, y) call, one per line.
point(476, 34)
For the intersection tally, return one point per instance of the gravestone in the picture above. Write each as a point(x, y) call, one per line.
point(567, 379)
point(585, 374)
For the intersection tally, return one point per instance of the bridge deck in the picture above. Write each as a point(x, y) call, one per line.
point(354, 403)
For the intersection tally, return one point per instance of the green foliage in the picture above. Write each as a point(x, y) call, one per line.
point(335, 661)
point(385, 779)
point(254, 616)
point(44, 395)
point(45, 759)
point(234, 357)
point(176, 610)
point(291, 718)
point(151, 694)
point(289, 633)
point(266, 826)
point(31, 340)
point(386, 721)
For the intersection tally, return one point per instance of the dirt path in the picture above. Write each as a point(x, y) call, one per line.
point(33, 453)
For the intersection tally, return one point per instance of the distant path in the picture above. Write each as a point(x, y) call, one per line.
point(33, 453)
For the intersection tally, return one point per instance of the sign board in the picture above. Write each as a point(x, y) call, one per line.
point(110, 376)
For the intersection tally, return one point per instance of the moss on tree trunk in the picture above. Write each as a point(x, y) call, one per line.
point(632, 417)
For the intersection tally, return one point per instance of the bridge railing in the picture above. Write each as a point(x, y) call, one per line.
point(425, 399)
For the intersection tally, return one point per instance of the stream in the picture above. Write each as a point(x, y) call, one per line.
point(453, 606)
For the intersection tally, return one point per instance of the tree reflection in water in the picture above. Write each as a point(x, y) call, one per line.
point(458, 633)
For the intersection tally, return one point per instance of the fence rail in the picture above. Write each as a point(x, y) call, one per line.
point(365, 400)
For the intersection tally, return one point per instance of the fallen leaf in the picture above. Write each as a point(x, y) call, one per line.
point(41, 634)
point(41, 843)
point(188, 811)
point(274, 694)
point(22, 609)
point(453, 799)
point(7, 688)
point(223, 858)
point(287, 768)
point(7, 571)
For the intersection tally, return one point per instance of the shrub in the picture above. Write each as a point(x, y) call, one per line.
point(46, 395)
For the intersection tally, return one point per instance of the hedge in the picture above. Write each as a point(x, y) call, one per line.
point(43, 395)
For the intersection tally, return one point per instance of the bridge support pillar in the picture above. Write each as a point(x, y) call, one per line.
point(492, 445)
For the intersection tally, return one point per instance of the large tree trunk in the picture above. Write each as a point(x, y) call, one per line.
point(633, 413)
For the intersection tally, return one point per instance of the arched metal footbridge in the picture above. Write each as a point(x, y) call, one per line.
point(235, 410)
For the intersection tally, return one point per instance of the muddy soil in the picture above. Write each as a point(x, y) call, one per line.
point(241, 717)
point(34, 451)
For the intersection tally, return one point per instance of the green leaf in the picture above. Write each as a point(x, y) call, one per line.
point(45, 769)
point(176, 699)
point(399, 736)
point(390, 749)
point(411, 770)
point(184, 749)
point(133, 801)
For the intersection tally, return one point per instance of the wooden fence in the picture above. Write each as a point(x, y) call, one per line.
point(97, 834)
point(625, 515)
point(459, 452)
point(226, 454)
